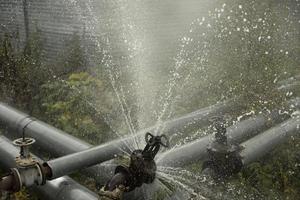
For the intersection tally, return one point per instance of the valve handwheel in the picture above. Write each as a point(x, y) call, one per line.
point(152, 140)
point(22, 142)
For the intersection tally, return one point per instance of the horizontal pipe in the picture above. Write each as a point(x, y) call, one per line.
point(260, 145)
point(196, 150)
point(59, 143)
point(47, 137)
point(95, 155)
point(63, 188)
point(245, 129)
point(201, 117)
point(80, 160)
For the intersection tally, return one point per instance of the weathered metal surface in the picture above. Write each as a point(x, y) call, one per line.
point(63, 188)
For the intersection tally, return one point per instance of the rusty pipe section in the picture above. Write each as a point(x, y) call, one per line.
point(238, 133)
point(258, 146)
point(59, 189)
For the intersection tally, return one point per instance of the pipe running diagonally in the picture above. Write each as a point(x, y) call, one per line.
point(59, 143)
point(260, 145)
point(238, 133)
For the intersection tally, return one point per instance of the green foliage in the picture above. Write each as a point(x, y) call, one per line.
point(21, 72)
point(248, 47)
point(241, 49)
point(278, 172)
point(73, 59)
point(69, 105)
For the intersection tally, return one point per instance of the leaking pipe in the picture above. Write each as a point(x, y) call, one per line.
point(95, 155)
point(59, 189)
point(261, 144)
point(186, 154)
point(59, 143)
point(238, 133)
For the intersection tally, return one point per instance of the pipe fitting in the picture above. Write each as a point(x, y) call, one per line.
point(142, 167)
point(224, 159)
point(28, 176)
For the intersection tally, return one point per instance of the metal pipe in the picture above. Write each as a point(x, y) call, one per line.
point(201, 117)
point(260, 145)
point(185, 154)
point(238, 133)
point(73, 162)
point(48, 137)
point(59, 189)
point(59, 143)
point(95, 155)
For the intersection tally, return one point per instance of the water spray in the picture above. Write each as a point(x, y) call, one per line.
point(142, 169)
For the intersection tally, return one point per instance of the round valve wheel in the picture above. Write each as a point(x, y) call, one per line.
point(23, 142)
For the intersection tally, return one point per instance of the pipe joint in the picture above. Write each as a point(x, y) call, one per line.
point(23, 123)
point(29, 176)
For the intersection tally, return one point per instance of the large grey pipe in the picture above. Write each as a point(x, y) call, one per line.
point(246, 129)
point(185, 154)
point(59, 143)
point(63, 188)
point(94, 155)
point(260, 145)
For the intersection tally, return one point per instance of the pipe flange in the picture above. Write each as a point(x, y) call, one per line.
point(17, 180)
point(25, 162)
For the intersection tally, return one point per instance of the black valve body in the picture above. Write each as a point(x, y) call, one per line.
point(140, 171)
point(142, 167)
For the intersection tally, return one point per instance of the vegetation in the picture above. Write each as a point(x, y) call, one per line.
point(246, 52)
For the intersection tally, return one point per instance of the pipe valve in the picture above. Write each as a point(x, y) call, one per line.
point(142, 169)
point(224, 159)
point(27, 172)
